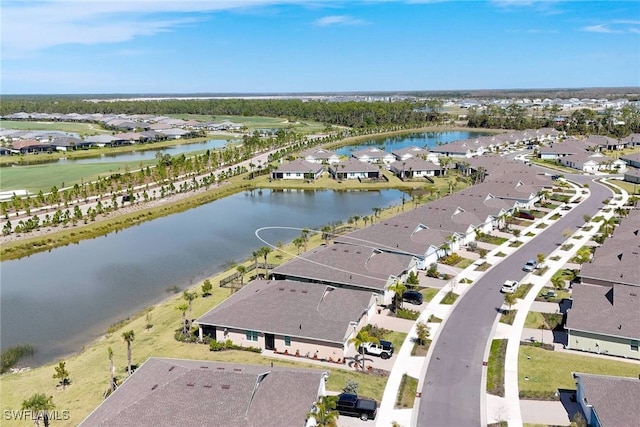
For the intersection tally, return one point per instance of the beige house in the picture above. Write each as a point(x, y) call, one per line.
point(304, 319)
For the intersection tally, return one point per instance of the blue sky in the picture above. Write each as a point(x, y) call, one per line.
point(269, 46)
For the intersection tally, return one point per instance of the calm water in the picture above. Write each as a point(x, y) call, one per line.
point(423, 139)
point(137, 156)
point(63, 299)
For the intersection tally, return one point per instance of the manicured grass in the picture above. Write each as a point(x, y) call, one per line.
point(36, 178)
point(492, 240)
point(406, 392)
point(501, 254)
point(397, 338)
point(449, 298)
point(549, 371)
point(523, 290)
point(79, 128)
point(428, 294)
point(495, 367)
point(508, 316)
point(534, 320)
point(89, 370)
point(483, 267)
point(464, 263)
point(420, 350)
point(560, 295)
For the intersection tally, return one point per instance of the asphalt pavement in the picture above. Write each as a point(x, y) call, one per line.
point(453, 389)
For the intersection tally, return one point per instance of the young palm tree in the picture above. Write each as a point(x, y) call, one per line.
point(241, 269)
point(128, 336)
point(189, 297)
point(40, 405)
point(112, 371)
point(182, 308)
point(265, 251)
point(360, 339)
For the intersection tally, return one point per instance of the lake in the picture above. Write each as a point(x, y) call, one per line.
point(60, 300)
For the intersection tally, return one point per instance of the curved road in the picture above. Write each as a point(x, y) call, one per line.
point(452, 393)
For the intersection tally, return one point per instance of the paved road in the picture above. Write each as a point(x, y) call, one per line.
point(452, 394)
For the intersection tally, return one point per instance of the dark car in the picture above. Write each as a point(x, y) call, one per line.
point(525, 215)
point(352, 405)
point(414, 297)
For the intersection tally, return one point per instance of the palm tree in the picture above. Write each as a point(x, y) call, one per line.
point(298, 243)
point(189, 297)
point(325, 413)
point(356, 218)
point(265, 251)
point(360, 339)
point(182, 308)
point(112, 371)
point(326, 233)
point(40, 405)
point(241, 269)
point(128, 336)
point(398, 289)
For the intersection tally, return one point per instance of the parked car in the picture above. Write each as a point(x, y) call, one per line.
point(352, 405)
point(529, 265)
point(509, 286)
point(384, 350)
point(525, 215)
point(414, 297)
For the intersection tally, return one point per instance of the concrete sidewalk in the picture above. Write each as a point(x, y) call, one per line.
point(508, 408)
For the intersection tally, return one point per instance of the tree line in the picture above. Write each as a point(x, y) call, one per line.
point(356, 114)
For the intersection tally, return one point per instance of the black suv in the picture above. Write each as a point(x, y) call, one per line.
point(352, 405)
point(414, 297)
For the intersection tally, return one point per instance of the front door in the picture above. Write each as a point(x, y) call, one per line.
point(269, 341)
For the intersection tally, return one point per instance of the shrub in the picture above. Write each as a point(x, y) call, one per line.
point(351, 387)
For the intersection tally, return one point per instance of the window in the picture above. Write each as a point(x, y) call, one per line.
point(287, 341)
point(634, 345)
point(252, 336)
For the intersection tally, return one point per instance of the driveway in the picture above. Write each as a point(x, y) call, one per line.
point(452, 392)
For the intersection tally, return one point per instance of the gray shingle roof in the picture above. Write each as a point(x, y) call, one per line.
point(614, 399)
point(617, 260)
point(295, 309)
point(300, 166)
point(346, 264)
point(606, 310)
point(353, 165)
point(173, 392)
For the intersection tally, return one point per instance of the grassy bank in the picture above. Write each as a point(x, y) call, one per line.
point(89, 370)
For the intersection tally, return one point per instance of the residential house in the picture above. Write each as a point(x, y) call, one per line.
point(102, 140)
point(422, 153)
point(298, 169)
point(354, 169)
point(605, 142)
point(351, 265)
point(67, 143)
point(374, 155)
point(414, 167)
point(320, 155)
point(172, 392)
point(308, 319)
point(632, 140)
point(592, 162)
point(608, 401)
point(32, 146)
point(174, 133)
point(632, 175)
point(632, 160)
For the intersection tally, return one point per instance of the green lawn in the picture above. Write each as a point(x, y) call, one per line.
point(79, 128)
point(549, 371)
point(42, 177)
point(429, 293)
point(407, 392)
point(495, 368)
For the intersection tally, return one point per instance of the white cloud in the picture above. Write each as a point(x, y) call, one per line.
point(600, 28)
point(29, 27)
point(339, 20)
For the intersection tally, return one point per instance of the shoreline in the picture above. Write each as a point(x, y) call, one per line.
point(109, 222)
